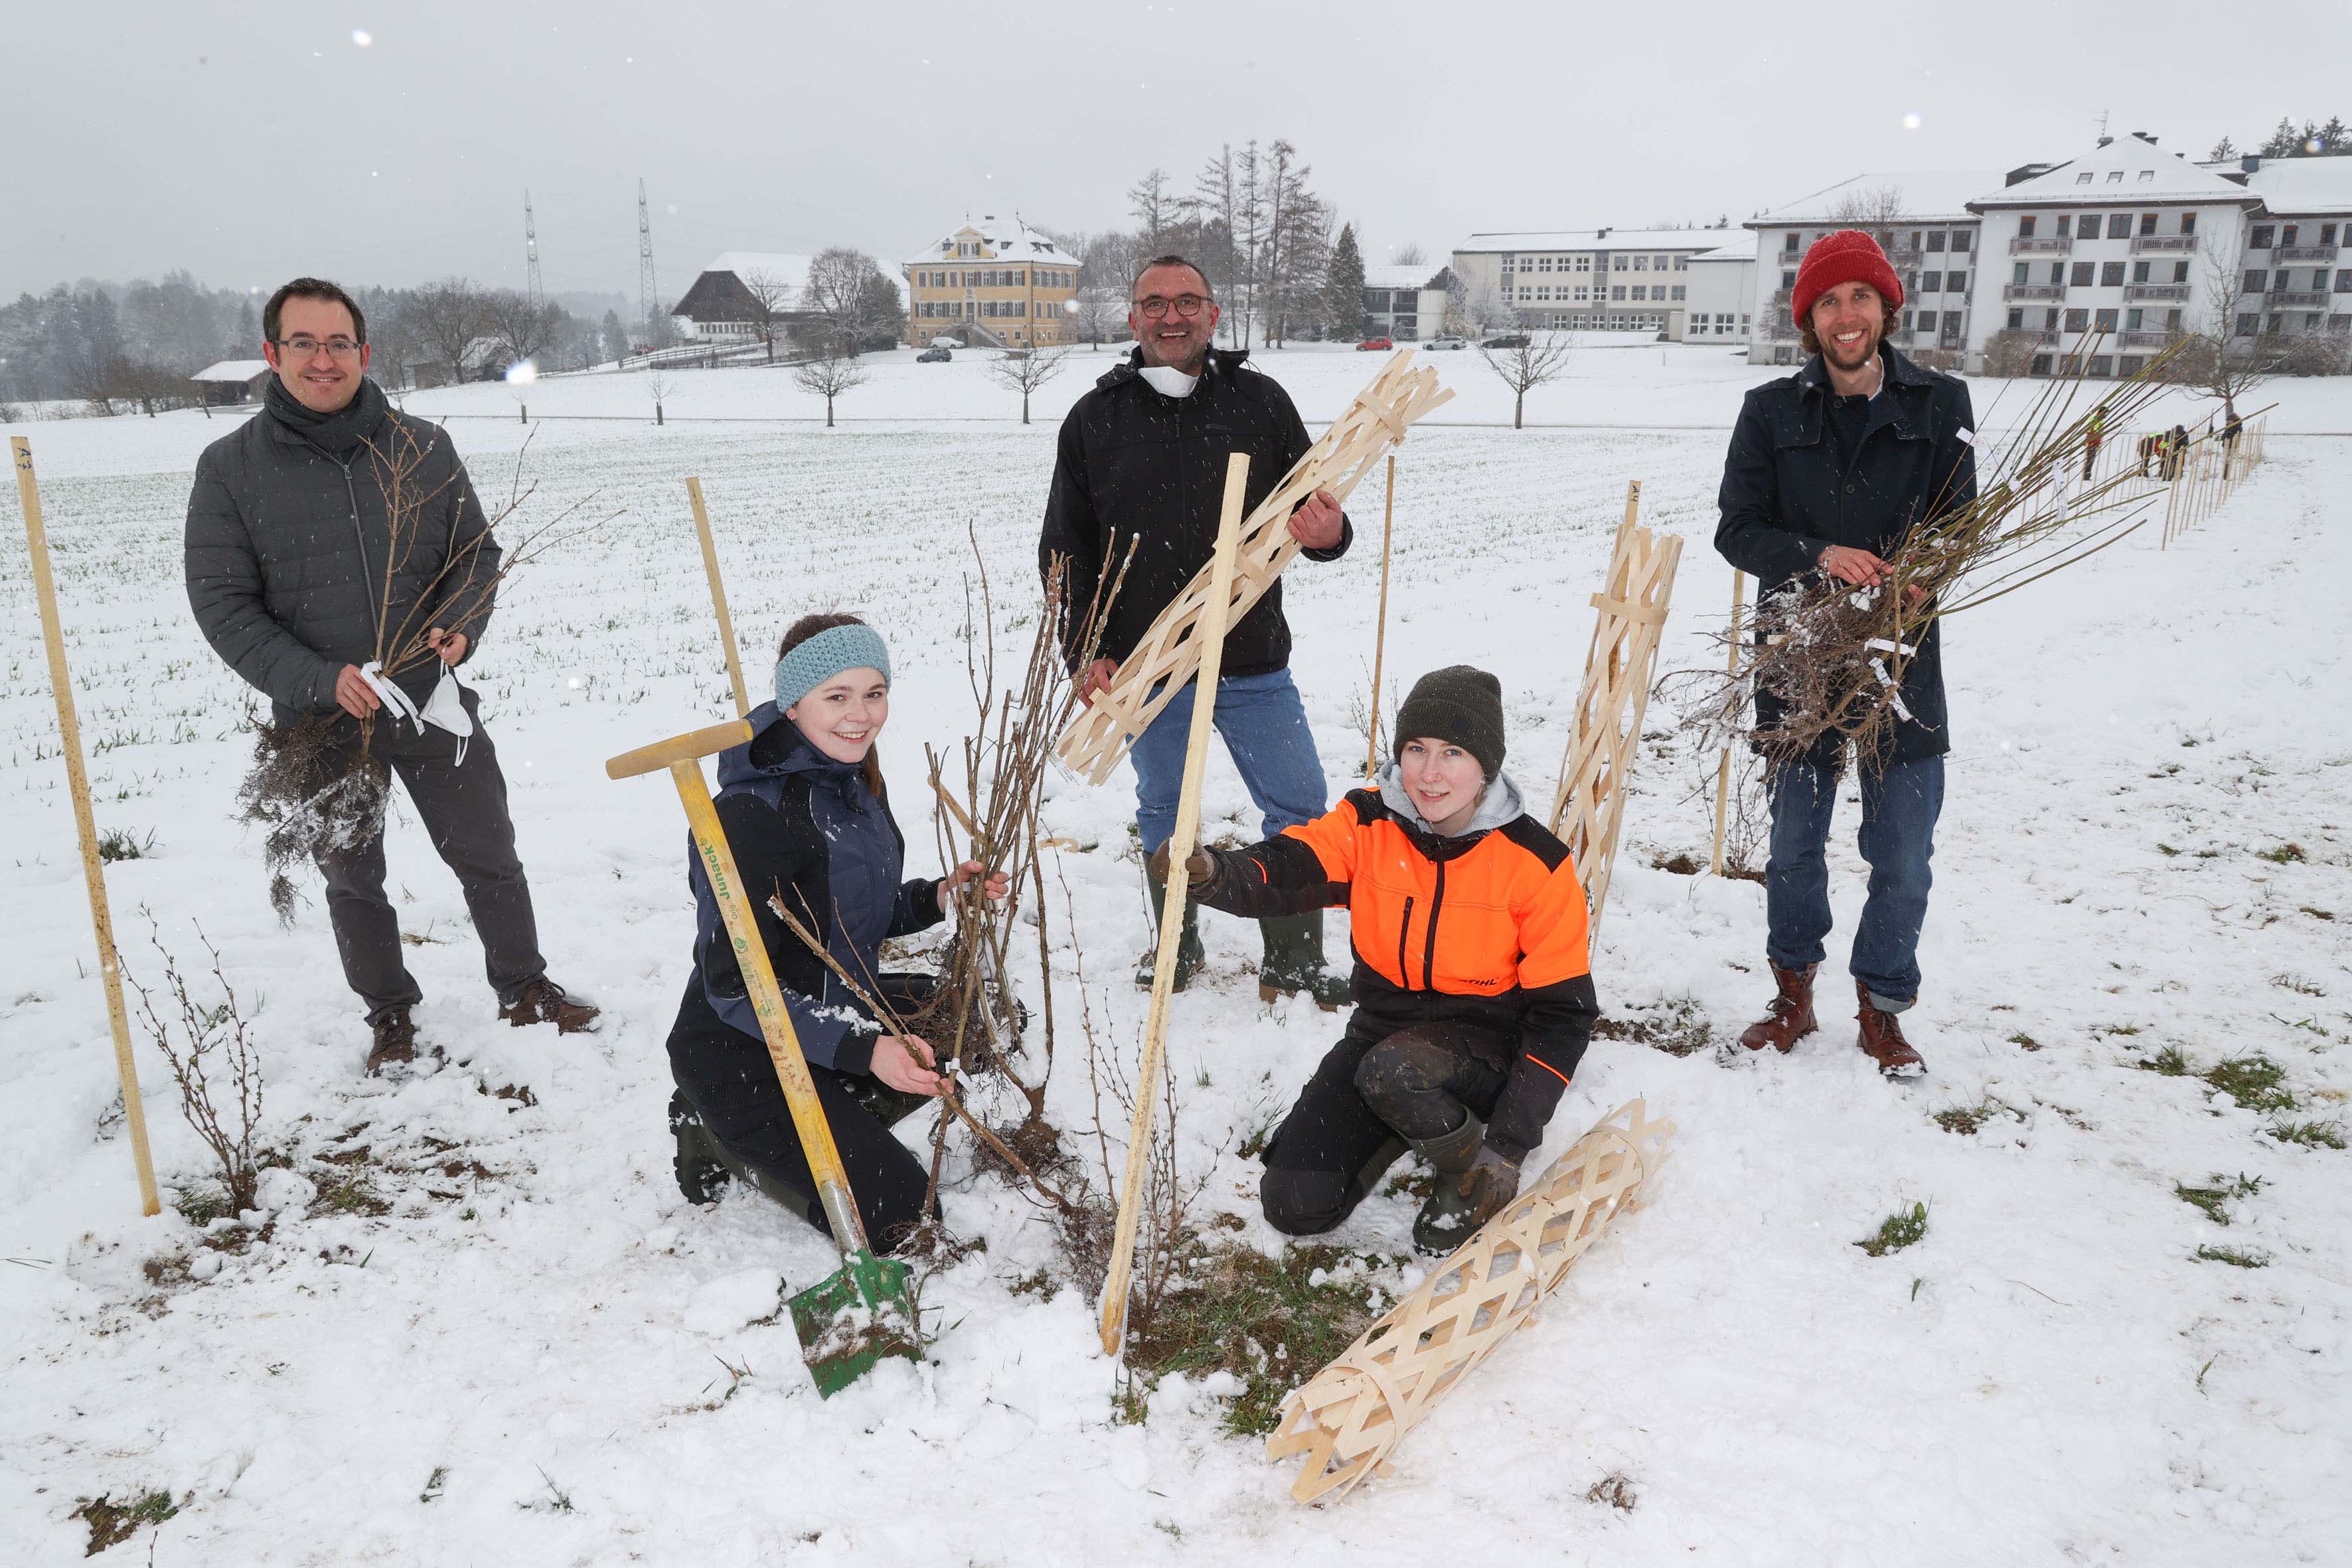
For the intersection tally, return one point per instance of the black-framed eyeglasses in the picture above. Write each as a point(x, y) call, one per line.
point(1153, 306)
point(303, 347)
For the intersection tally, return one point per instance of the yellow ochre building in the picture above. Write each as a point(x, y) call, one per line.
point(998, 283)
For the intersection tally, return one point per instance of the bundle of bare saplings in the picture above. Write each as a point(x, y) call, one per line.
point(1834, 656)
point(316, 785)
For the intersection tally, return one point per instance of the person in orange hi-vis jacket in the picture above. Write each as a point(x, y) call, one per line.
point(1473, 987)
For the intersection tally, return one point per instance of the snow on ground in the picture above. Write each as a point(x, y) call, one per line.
point(520, 1361)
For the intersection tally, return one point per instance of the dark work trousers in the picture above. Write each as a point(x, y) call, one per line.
point(1900, 804)
point(728, 1079)
point(463, 808)
point(1369, 1095)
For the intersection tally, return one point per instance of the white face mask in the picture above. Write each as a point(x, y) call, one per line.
point(444, 709)
point(1169, 381)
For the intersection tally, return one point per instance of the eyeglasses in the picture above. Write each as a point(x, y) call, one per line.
point(1154, 307)
point(304, 347)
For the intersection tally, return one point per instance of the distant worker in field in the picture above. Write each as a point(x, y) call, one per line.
point(1830, 470)
point(294, 571)
point(2094, 435)
point(1142, 458)
point(1474, 991)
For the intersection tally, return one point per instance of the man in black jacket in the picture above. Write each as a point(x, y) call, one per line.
point(302, 574)
point(1142, 458)
point(1830, 470)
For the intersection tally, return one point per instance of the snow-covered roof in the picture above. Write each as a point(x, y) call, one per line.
point(2128, 169)
point(1744, 248)
point(233, 370)
point(1935, 195)
point(1414, 275)
point(789, 271)
point(2295, 187)
point(1592, 240)
point(1008, 239)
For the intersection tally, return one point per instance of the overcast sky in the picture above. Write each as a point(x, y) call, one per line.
point(250, 141)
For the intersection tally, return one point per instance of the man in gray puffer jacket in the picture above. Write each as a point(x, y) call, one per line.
point(299, 579)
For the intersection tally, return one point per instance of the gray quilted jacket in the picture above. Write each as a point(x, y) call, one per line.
point(291, 567)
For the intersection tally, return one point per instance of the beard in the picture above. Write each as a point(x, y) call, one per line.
point(1861, 355)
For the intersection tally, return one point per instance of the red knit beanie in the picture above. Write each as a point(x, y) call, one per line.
point(1849, 255)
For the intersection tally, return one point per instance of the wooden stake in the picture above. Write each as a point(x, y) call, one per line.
point(1381, 638)
point(110, 962)
point(1209, 640)
point(1723, 768)
point(718, 598)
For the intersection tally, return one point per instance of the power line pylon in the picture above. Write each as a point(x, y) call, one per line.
point(530, 255)
point(648, 294)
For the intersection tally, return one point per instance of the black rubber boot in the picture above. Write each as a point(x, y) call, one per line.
point(702, 1174)
point(1190, 954)
point(1293, 962)
point(1449, 1217)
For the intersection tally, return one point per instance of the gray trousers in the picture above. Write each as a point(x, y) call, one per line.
point(464, 809)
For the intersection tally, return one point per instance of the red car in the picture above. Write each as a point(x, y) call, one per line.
point(1374, 343)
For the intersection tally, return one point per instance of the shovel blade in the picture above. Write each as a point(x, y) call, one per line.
point(853, 1317)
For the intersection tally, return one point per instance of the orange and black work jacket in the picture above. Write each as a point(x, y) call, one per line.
point(1486, 929)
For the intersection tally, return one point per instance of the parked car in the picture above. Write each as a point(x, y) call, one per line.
point(1506, 340)
point(936, 354)
point(1449, 342)
point(1374, 343)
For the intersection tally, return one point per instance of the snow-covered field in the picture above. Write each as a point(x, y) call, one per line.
point(2146, 845)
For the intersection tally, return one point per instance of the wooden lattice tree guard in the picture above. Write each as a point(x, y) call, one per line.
point(1590, 804)
point(1351, 1415)
point(1165, 659)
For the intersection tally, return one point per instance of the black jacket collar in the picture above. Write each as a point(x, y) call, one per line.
point(1900, 372)
point(1226, 362)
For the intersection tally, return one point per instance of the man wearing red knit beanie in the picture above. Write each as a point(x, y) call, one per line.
point(1830, 470)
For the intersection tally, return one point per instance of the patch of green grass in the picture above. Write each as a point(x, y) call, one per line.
point(2318, 914)
point(2309, 1134)
point(2171, 1062)
point(200, 1207)
point(1042, 1284)
point(112, 1524)
point(432, 1492)
point(2255, 1082)
point(1896, 1231)
point(121, 843)
point(2281, 855)
point(2235, 1256)
point(1967, 1119)
point(1677, 1028)
point(2298, 984)
point(350, 1195)
point(2025, 1042)
point(2120, 1029)
point(2167, 850)
point(1271, 1319)
point(2215, 1199)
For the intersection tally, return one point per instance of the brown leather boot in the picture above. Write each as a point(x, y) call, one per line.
point(395, 1042)
point(1883, 1041)
point(544, 1002)
point(1791, 1016)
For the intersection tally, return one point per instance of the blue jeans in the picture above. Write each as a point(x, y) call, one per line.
point(1263, 726)
point(1900, 806)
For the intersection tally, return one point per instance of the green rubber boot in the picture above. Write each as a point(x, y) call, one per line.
point(1449, 1217)
point(1190, 954)
point(1293, 962)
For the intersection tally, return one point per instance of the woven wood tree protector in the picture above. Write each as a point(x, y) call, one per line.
point(1589, 803)
point(1350, 1416)
point(1166, 657)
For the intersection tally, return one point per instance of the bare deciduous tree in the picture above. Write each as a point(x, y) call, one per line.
point(836, 278)
point(2223, 371)
point(446, 318)
point(1156, 211)
point(771, 295)
point(1538, 357)
point(829, 373)
point(1026, 372)
point(1411, 254)
point(661, 385)
point(1875, 212)
point(523, 330)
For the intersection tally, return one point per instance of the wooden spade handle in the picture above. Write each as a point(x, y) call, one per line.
point(718, 597)
point(776, 1023)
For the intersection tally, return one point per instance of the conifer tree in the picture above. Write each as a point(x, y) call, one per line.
point(1343, 289)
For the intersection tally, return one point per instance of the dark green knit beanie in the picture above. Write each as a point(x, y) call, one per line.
point(1459, 705)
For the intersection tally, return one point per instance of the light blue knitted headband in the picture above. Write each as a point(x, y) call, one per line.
point(827, 655)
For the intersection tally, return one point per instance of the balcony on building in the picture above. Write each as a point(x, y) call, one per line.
point(2144, 243)
point(2041, 245)
point(2176, 293)
point(2299, 301)
point(2033, 291)
point(2142, 340)
point(2291, 253)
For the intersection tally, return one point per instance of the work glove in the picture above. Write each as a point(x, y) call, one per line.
point(1490, 1184)
point(1201, 868)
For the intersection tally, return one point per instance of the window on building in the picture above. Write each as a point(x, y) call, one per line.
point(2083, 271)
point(2019, 271)
point(2058, 273)
point(2083, 178)
point(1788, 280)
point(2339, 324)
point(2261, 238)
point(2041, 365)
point(2104, 320)
point(1543, 263)
point(1523, 292)
point(2180, 273)
point(1680, 289)
point(2078, 320)
point(2255, 280)
point(2025, 227)
point(1641, 264)
point(1657, 264)
point(2172, 321)
point(2016, 320)
point(1641, 291)
point(2115, 176)
point(2343, 280)
point(2278, 325)
point(2139, 271)
point(2087, 227)
point(2065, 223)
point(1584, 264)
point(2287, 234)
point(1583, 293)
point(2147, 222)
point(1927, 321)
point(2132, 320)
point(1543, 292)
point(2327, 234)
point(1956, 282)
point(2188, 223)
point(2111, 274)
point(1791, 242)
point(2050, 320)
point(2249, 324)
point(1619, 263)
point(1682, 264)
point(1931, 283)
point(1617, 291)
point(1936, 240)
point(1507, 258)
point(1916, 242)
point(2118, 225)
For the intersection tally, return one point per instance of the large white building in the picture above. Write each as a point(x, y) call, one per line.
point(2111, 254)
point(1610, 280)
point(1406, 304)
